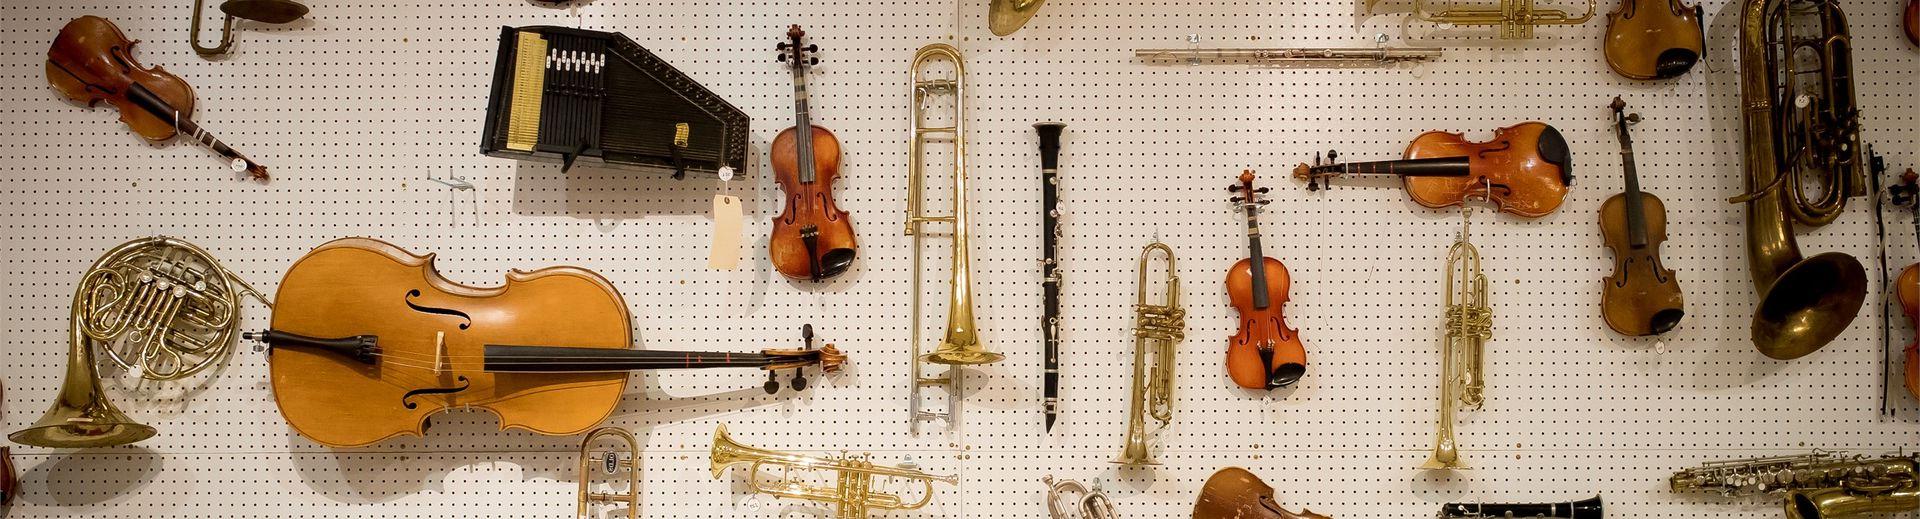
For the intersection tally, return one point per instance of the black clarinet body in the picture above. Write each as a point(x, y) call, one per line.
point(1050, 265)
point(1583, 509)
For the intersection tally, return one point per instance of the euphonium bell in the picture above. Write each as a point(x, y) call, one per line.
point(1158, 328)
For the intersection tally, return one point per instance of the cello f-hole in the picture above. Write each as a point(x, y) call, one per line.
point(436, 310)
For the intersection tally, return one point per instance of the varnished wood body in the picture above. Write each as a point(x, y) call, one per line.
point(1234, 493)
point(1263, 326)
point(1907, 288)
point(1653, 39)
point(91, 61)
point(1911, 20)
point(362, 286)
point(1641, 297)
point(1527, 178)
point(809, 204)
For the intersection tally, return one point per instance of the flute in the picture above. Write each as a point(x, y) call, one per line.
point(1050, 265)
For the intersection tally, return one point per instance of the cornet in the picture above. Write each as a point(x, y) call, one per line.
point(610, 463)
point(854, 492)
point(1469, 324)
point(1158, 328)
point(961, 347)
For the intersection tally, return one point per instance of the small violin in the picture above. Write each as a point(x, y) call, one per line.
point(1654, 39)
point(1265, 353)
point(1234, 493)
point(1525, 169)
point(91, 61)
point(812, 239)
point(1907, 286)
point(369, 341)
point(1641, 297)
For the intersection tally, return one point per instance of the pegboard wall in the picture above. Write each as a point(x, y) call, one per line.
point(358, 105)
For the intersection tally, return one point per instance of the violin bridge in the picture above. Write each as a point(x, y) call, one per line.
point(439, 352)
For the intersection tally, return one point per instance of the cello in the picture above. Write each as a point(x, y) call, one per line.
point(1264, 353)
point(369, 341)
point(1234, 493)
point(1654, 39)
point(1641, 297)
point(812, 239)
point(1525, 169)
point(91, 61)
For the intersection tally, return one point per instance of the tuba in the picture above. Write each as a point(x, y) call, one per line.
point(1798, 124)
point(961, 347)
point(1818, 485)
point(159, 307)
point(1469, 325)
point(854, 492)
point(1158, 328)
point(610, 463)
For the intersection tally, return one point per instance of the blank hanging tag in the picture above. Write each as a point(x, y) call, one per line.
point(725, 254)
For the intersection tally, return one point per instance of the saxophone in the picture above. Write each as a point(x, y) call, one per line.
point(1817, 485)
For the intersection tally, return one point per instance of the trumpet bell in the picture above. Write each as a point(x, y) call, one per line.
point(1005, 17)
point(81, 418)
point(1809, 305)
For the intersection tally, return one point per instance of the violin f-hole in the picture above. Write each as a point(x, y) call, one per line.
point(436, 310)
point(407, 399)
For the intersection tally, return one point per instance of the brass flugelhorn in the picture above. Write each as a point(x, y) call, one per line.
point(854, 492)
point(1469, 325)
point(1156, 328)
point(1516, 18)
point(610, 463)
point(1068, 499)
point(1817, 485)
point(159, 307)
point(1798, 124)
point(961, 346)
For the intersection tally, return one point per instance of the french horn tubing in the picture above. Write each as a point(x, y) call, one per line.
point(1798, 124)
point(961, 345)
point(858, 484)
point(1159, 329)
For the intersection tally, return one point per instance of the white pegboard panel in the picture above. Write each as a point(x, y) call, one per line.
point(356, 106)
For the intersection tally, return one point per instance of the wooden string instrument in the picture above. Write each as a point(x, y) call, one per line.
point(1265, 353)
point(1641, 297)
point(812, 239)
point(1234, 493)
point(1525, 169)
point(1654, 39)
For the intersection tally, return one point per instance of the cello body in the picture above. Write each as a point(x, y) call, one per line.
point(431, 334)
point(1653, 39)
point(1263, 326)
point(809, 204)
point(1907, 288)
point(1234, 493)
point(1525, 169)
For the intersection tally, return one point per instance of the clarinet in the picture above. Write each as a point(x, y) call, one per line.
point(1050, 265)
point(1584, 509)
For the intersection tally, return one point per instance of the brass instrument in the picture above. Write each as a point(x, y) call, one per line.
point(159, 307)
point(263, 11)
point(1005, 17)
point(1158, 328)
point(961, 347)
point(854, 492)
point(1068, 499)
point(610, 463)
point(1380, 55)
point(1469, 325)
point(1516, 18)
point(1798, 124)
point(1818, 485)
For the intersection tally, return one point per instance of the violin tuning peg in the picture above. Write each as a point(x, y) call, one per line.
point(1236, 200)
point(773, 383)
point(1332, 156)
point(1633, 118)
point(782, 58)
point(1262, 190)
point(813, 48)
point(813, 61)
point(806, 332)
point(1264, 202)
point(799, 381)
point(1313, 184)
point(1234, 188)
point(780, 46)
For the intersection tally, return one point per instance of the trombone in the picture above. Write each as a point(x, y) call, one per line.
point(610, 463)
point(1158, 328)
point(961, 347)
point(854, 491)
point(1469, 324)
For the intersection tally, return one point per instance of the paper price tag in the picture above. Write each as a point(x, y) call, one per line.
point(725, 253)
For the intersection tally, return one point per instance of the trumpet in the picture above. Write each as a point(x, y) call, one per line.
point(1817, 485)
point(1092, 502)
point(1158, 328)
point(610, 463)
point(1469, 325)
point(961, 346)
point(854, 492)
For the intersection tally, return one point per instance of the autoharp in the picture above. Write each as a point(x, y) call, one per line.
point(578, 96)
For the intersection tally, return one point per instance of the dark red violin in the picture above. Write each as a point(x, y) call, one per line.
point(91, 61)
point(812, 239)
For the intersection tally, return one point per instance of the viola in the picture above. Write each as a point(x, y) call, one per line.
point(1234, 493)
point(1265, 353)
point(1654, 39)
point(1907, 287)
point(812, 239)
point(91, 61)
point(369, 341)
point(1525, 169)
point(1641, 297)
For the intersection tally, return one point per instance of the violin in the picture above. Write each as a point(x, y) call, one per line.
point(1525, 169)
point(1264, 353)
point(812, 239)
point(1641, 297)
point(1234, 493)
point(91, 61)
point(1911, 20)
point(9, 485)
point(1654, 39)
point(1907, 287)
point(369, 341)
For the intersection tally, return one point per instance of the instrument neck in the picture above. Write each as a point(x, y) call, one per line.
point(1636, 217)
point(184, 124)
point(554, 359)
point(802, 125)
point(1256, 258)
point(1428, 167)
